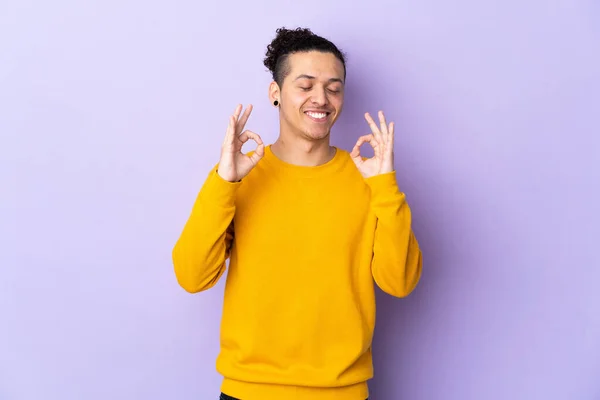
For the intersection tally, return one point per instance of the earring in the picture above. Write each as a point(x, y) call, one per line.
point(275, 103)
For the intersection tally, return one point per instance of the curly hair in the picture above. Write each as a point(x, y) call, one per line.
point(289, 41)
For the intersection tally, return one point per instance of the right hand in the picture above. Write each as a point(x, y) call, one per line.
point(234, 165)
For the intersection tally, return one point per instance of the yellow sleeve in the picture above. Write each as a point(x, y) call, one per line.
point(397, 260)
point(204, 245)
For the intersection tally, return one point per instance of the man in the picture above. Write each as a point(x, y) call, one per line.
point(308, 230)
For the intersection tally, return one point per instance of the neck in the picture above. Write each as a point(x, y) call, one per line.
point(303, 152)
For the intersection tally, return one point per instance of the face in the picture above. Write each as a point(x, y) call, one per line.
point(312, 94)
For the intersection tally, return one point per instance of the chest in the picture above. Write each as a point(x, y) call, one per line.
point(312, 212)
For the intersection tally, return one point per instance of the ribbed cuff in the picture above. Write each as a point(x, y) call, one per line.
point(219, 191)
point(383, 184)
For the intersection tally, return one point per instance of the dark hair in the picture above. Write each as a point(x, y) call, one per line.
point(290, 41)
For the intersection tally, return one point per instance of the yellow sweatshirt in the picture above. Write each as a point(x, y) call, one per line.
point(305, 246)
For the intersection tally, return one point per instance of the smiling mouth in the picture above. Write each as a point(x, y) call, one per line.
point(318, 116)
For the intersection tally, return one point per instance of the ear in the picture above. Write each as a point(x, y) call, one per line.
point(274, 92)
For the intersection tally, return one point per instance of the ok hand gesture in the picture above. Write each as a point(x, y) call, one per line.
point(234, 165)
point(382, 141)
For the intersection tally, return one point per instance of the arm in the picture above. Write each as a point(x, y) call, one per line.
point(397, 260)
point(201, 251)
point(204, 245)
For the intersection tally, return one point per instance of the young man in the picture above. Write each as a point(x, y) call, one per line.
point(308, 230)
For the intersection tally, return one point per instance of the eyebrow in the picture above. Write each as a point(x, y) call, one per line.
point(304, 76)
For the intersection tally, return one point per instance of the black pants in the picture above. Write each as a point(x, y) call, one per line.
point(225, 397)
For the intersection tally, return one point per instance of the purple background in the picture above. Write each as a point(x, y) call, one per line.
point(113, 112)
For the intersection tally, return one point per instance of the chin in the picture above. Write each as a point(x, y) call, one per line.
point(317, 134)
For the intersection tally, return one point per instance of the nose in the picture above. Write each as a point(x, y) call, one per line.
point(319, 97)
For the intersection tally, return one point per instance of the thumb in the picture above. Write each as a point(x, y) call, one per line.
point(258, 153)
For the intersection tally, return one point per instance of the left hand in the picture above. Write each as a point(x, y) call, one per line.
point(382, 141)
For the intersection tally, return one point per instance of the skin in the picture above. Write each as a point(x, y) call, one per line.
point(315, 83)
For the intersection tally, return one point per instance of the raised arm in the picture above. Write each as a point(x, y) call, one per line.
point(204, 245)
point(397, 259)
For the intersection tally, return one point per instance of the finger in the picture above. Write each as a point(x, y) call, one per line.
point(229, 135)
point(383, 125)
point(230, 130)
point(371, 139)
point(373, 126)
point(237, 111)
point(355, 150)
point(243, 119)
point(362, 140)
point(258, 153)
point(247, 135)
point(376, 144)
point(391, 137)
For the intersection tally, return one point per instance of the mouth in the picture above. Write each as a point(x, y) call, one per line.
point(318, 116)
